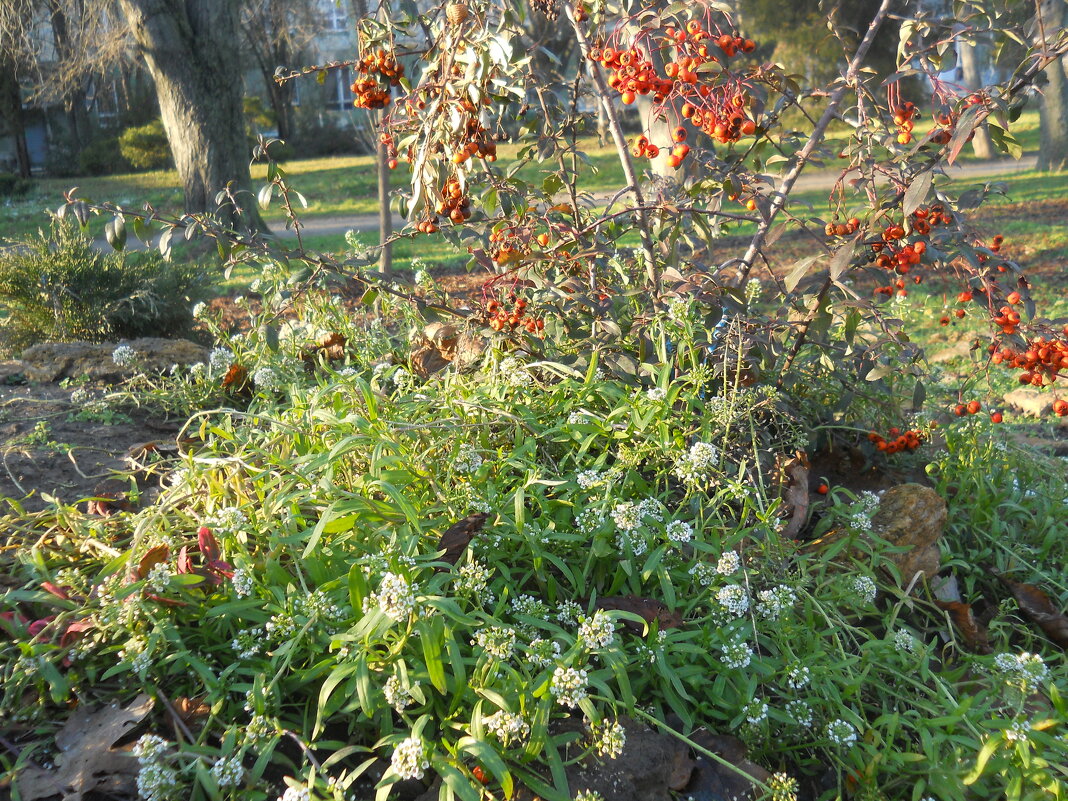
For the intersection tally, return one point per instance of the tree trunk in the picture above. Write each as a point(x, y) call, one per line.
point(385, 214)
point(190, 48)
point(1053, 111)
point(970, 64)
point(11, 113)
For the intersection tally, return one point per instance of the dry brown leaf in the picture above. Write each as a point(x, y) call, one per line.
point(649, 609)
point(455, 539)
point(1040, 610)
point(970, 629)
point(795, 478)
point(236, 380)
point(86, 761)
point(153, 557)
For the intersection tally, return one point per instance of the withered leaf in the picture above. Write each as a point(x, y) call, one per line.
point(970, 629)
point(455, 539)
point(192, 711)
point(649, 609)
point(795, 493)
point(106, 504)
point(86, 761)
point(332, 348)
point(153, 557)
point(1040, 610)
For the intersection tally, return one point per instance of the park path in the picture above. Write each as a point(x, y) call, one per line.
point(339, 225)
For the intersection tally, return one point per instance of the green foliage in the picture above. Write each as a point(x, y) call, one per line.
point(12, 186)
point(58, 287)
point(146, 146)
point(103, 157)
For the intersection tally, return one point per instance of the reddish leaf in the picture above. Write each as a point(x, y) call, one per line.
point(455, 539)
point(155, 556)
point(75, 629)
point(59, 592)
point(185, 564)
point(207, 543)
point(1040, 610)
point(236, 380)
point(648, 609)
point(973, 633)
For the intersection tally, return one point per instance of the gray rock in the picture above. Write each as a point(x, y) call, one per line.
point(1030, 401)
point(54, 361)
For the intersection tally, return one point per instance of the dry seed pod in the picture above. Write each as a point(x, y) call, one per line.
point(457, 13)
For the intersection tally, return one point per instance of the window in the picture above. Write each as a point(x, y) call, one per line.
point(338, 88)
point(334, 16)
point(105, 101)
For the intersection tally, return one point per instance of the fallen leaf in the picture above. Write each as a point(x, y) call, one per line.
point(795, 477)
point(236, 381)
point(155, 556)
point(963, 618)
point(106, 504)
point(455, 539)
point(649, 609)
point(1040, 610)
point(331, 348)
point(86, 761)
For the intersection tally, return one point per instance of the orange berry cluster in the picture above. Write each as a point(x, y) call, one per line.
point(722, 117)
point(386, 139)
point(890, 254)
point(903, 114)
point(971, 407)
point(897, 441)
point(479, 144)
point(850, 226)
point(1041, 361)
point(501, 318)
point(453, 204)
point(505, 247)
point(379, 72)
point(631, 73)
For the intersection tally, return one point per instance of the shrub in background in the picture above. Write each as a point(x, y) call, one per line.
point(13, 186)
point(103, 157)
point(146, 146)
point(58, 287)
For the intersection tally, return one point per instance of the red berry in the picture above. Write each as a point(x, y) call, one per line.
point(996, 417)
point(822, 489)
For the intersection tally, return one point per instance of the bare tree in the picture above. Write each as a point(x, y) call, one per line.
point(1053, 111)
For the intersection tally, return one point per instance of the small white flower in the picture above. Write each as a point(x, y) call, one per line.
point(568, 612)
point(608, 739)
point(396, 597)
point(841, 732)
point(627, 516)
point(398, 696)
point(864, 588)
point(242, 583)
point(694, 466)
point(737, 655)
point(1017, 731)
point(679, 531)
point(409, 760)
point(568, 686)
point(543, 653)
point(266, 379)
point(507, 727)
point(1025, 667)
point(728, 563)
point(734, 599)
point(904, 641)
point(124, 356)
point(755, 712)
point(220, 359)
point(467, 459)
point(199, 309)
point(656, 394)
point(589, 478)
point(798, 676)
point(227, 771)
point(772, 603)
point(597, 631)
point(801, 713)
point(497, 641)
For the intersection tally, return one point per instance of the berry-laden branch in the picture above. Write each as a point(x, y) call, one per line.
point(814, 140)
point(652, 272)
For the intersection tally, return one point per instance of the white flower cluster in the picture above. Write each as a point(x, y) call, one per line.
point(242, 583)
point(467, 459)
point(228, 519)
point(568, 612)
point(694, 466)
point(397, 695)
point(656, 394)
point(798, 676)
point(589, 520)
point(507, 727)
point(409, 760)
point(801, 713)
point(513, 372)
point(155, 779)
point(841, 732)
point(589, 478)
point(772, 603)
point(904, 641)
point(737, 654)
point(864, 588)
point(679, 531)
point(529, 606)
point(266, 379)
point(543, 653)
point(159, 577)
point(220, 359)
point(734, 599)
point(227, 771)
point(568, 686)
point(199, 310)
point(597, 631)
point(608, 739)
point(755, 712)
point(1017, 731)
point(124, 356)
point(753, 289)
point(497, 641)
point(295, 794)
point(783, 787)
point(703, 573)
point(423, 279)
point(1029, 669)
point(679, 308)
point(472, 582)
point(396, 597)
point(627, 516)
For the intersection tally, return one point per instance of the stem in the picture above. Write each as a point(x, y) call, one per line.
point(804, 331)
point(652, 272)
point(829, 113)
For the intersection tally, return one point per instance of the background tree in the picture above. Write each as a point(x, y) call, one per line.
point(1053, 109)
point(12, 44)
point(188, 46)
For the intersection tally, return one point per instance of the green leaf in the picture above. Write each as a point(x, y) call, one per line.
point(432, 635)
point(798, 272)
point(916, 194)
